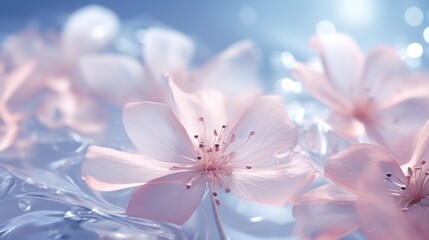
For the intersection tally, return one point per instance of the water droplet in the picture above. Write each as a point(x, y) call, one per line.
point(24, 205)
point(68, 143)
point(77, 213)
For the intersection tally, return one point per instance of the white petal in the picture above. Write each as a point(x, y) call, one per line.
point(116, 78)
point(88, 30)
point(167, 51)
point(157, 133)
point(106, 169)
point(263, 130)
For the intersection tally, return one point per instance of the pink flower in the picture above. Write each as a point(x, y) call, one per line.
point(9, 122)
point(394, 200)
point(195, 143)
point(326, 212)
point(373, 94)
point(167, 53)
point(65, 104)
point(373, 193)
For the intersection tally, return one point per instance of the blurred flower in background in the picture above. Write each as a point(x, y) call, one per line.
point(68, 68)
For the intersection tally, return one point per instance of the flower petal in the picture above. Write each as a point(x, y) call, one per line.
point(379, 215)
point(399, 119)
point(70, 107)
point(327, 194)
point(116, 78)
point(327, 212)
point(166, 199)
point(347, 126)
point(106, 169)
point(346, 168)
point(380, 78)
point(343, 62)
point(263, 130)
point(88, 30)
point(208, 104)
point(274, 184)
point(8, 128)
point(233, 70)
point(322, 89)
point(167, 51)
point(15, 79)
point(421, 149)
point(157, 133)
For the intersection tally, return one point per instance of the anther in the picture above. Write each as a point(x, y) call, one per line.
point(217, 202)
point(195, 136)
point(251, 133)
point(201, 145)
point(188, 186)
point(201, 119)
point(215, 132)
point(223, 126)
point(403, 188)
point(199, 157)
point(227, 190)
point(215, 194)
point(249, 167)
point(217, 145)
point(388, 174)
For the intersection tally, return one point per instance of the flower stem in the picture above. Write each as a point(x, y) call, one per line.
point(217, 218)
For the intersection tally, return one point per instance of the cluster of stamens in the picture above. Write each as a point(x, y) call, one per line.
point(213, 159)
point(411, 190)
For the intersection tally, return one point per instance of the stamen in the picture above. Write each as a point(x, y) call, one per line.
point(201, 119)
point(232, 138)
point(217, 147)
point(244, 143)
point(410, 171)
point(188, 185)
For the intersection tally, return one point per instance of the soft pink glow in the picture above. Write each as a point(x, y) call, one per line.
point(371, 94)
point(183, 148)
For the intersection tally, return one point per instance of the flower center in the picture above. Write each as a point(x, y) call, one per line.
point(363, 110)
point(214, 156)
point(411, 190)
